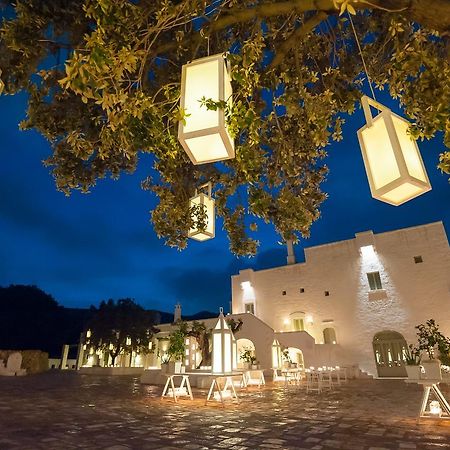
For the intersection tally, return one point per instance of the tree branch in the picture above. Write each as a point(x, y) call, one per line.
point(296, 35)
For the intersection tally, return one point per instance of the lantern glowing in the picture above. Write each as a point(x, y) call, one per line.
point(222, 349)
point(206, 203)
point(392, 159)
point(203, 132)
point(435, 408)
point(276, 355)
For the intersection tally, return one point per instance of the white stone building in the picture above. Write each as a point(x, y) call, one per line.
point(353, 302)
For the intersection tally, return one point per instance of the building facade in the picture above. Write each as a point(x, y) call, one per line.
point(357, 300)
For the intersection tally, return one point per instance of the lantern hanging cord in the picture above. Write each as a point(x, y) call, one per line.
point(362, 56)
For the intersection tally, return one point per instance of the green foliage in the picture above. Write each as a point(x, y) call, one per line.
point(412, 356)
point(103, 83)
point(177, 346)
point(121, 326)
point(234, 325)
point(247, 355)
point(286, 356)
point(431, 339)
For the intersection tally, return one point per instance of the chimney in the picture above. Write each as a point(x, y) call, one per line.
point(290, 252)
point(177, 313)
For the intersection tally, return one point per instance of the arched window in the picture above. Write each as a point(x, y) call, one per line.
point(329, 336)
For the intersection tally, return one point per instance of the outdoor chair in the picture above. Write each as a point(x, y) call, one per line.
point(313, 382)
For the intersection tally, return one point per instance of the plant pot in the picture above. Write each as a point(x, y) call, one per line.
point(413, 372)
point(432, 368)
point(286, 364)
point(255, 366)
point(174, 367)
point(164, 368)
point(246, 365)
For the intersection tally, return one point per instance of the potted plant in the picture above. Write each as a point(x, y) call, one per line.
point(412, 360)
point(247, 357)
point(287, 361)
point(177, 348)
point(432, 340)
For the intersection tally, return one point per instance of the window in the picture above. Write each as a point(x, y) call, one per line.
point(283, 293)
point(418, 259)
point(327, 293)
point(329, 336)
point(374, 281)
point(302, 290)
point(249, 308)
point(298, 325)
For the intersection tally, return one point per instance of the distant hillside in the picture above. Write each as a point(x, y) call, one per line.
point(32, 319)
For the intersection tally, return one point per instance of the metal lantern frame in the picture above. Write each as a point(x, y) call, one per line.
point(219, 129)
point(405, 158)
point(276, 355)
point(206, 200)
point(222, 349)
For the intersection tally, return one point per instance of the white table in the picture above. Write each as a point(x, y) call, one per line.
point(432, 386)
point(183, 390)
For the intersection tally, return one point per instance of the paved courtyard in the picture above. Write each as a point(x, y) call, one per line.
point(67, 410)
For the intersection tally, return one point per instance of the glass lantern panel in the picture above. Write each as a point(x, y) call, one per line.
point(207, 148)
point(227, 353)
point(217, 353)
point(202, 80)
point(402, 193)
point(409, 149)
point(380, 153)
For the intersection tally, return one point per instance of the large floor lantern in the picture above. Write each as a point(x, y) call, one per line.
point(203, 133)
point(222, 351)
point(206, 203)
point(391, 156)
point(276, 355)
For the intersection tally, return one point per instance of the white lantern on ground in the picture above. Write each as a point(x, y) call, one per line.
point(391, 156)
point(204, 134)
point(205, 201)
point(435, 408)
point(276, 355)
point(222, 350)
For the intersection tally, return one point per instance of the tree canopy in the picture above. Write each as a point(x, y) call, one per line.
point(121, 326)
point(103, 78)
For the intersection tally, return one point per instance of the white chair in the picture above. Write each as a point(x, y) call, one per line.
point(313, 382)
point(254, 378)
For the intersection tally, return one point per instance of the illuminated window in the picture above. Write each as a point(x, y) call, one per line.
point(298, 324)
point(418, 259)
point(250, 308)
point(374, 281)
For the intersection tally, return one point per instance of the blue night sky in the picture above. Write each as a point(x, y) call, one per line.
point(85, 248)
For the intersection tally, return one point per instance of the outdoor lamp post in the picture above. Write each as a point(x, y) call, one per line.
point(206, 203)
point(391, 156)
point(203, 132)
point(276, 355)
point(222, 351)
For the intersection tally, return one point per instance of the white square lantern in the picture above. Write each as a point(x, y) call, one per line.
point(207, 203)
point(391, 156)
point(276, 355)
point(204, 134)
point(222, 348)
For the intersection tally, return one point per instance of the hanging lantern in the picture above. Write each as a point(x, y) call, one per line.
point(203, 132)
point(206, 202)
point(276, 355)
point(392, 159)
point(222, 351)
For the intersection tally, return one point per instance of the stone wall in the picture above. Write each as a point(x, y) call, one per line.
point(34, 361)
point(331, 289)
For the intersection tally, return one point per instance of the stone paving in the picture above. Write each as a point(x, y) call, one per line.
point(67, 411)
